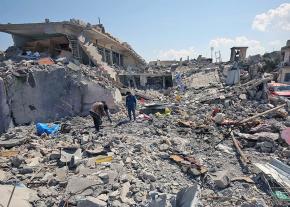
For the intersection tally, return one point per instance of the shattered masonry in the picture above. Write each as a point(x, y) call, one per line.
point(207, 134)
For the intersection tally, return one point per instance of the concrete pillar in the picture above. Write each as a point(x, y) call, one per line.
point(119, 59)
point(104, 52)
point(163, 82)
point(129, 82)
point(143, 80)
point(111, 57)
point(134, 82)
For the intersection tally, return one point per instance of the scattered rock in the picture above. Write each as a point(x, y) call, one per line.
point(163, 147)
point(124, 192)
point(147, 176)
point(188, 196)
point(61, 173)
point(12, 142)
point(103, 197)
point(221, 179)
point(91, 202)
point(243, 96)
point(78, 184)
point(16, 161)
point(104, 176)
point(219, 118)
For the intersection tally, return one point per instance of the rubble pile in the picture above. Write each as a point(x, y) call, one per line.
point(211, 138)
point(202, 151)
point(36, 92)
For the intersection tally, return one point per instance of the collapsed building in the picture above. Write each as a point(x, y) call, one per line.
point(90, 44)
point(58, 69)
point(204, 151)
point(201, 146)
point(42, 93)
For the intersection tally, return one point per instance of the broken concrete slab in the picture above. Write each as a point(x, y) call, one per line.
point(123, 194)
point(278, 171)
point(78, 184)
point(3, 176)
point(61, 173)
point(67, 154)
point(90, 201)
point(12, 142)
point(221, 179)
point(188, 196)
point(264, 136)
point(103, 197)
point(157, 199)
point(16, 161)
point(22, 196)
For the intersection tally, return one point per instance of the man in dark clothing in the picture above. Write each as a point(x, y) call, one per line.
point(131, 104)
point(106, 109)
point(98, 110)
point(97, 120)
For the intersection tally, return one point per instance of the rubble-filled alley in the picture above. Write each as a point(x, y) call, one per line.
point(206, 134)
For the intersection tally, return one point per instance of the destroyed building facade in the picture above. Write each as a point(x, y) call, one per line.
point(59, 69)
point(90, 44)
point(238, 53)
point(284, 73)
point(147, 80)
point(198, 143)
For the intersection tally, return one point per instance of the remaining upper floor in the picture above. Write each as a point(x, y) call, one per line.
point(63, 37)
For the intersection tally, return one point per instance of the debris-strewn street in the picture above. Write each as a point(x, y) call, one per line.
point(150, 162)
point(205, 134)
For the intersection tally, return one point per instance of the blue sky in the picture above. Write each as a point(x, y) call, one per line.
point(168, 29)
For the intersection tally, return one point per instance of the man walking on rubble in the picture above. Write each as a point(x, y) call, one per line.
point(98, 110)
point(131, 104)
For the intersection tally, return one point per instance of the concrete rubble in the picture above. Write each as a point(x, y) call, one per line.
point(38, 93)
point(199, 144)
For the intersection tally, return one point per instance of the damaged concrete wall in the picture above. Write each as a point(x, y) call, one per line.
point(93, 91)
point(48, 95)
point(4, 109)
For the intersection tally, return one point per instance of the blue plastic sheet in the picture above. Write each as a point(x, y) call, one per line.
point(45, 128)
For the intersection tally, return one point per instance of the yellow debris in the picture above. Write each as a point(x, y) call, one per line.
point(102, 158)
point(9, 153)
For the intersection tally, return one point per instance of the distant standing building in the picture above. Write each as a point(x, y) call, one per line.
point(285, 51)
point(238, 53)
point(284, 73)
